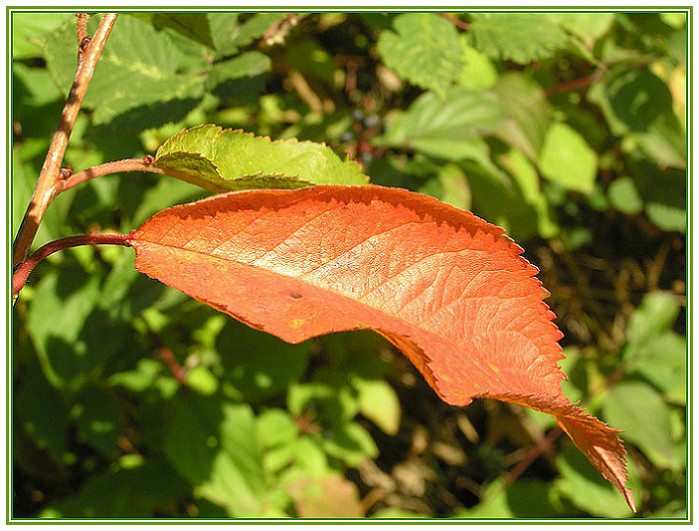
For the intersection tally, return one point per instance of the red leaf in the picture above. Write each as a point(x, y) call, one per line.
point(448, 289)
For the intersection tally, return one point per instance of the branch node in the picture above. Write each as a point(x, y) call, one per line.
point(66, 172)
point(148, 160)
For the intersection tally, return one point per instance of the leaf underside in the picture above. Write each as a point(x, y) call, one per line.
point(222, 160)
point(448, 289)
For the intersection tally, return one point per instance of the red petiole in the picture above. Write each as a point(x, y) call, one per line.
point(23, 270)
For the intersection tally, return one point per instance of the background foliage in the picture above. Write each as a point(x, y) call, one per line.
point(568, 129)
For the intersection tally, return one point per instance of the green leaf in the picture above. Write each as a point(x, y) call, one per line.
point(79, 338)
point(478, 71)
point(194, 26)
point(665, 141)
point(528, 113)
point(522, 499)
point(631, 99)
point(425, 50)
point(213, 443)
point(136, 79)
point(624, 196)
point(229, 34)
point(259, 365)
point(96, 414)
point(122, 492)
point(27, 29)
point(640, 412)
point(450, 186)
point(519, 37)
point(220, 159)
point(41, 411)
point(588, 26)
point(587, 489)
point(240, 76)
point(656, 314)
point(451, 130)
point(139, 67)
point(526, 179)
point(663, 362)
point(567, 160)
point(276, 427)
point(379, 403)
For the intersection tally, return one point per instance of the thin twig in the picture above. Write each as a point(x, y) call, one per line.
point(543, 445)
point(457, 22)
point(19, 279)
point(47, 187)
point(575, 84)
point(118, 166)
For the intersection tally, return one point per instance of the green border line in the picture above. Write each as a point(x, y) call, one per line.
point(10, 10)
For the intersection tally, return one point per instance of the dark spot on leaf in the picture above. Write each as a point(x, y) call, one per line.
point(295, 295)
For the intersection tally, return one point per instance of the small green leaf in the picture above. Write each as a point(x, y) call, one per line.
point(587, 26)
point(194, 26)
point(202, 381)
point(449, 129)
point(425, 50)
point(639, 411)
point(229, 34)
point(519, 37)
point(656, 314)
point(79, 338)
point(251, 360)
point(220, 160)
point(242, 74)
point(96, 414)
point(581, 483)
point(478, 71)
point(528, 113)
point(379, 403)
point(123, 492)
point(214, 445)
point(450, 186)
point(28, 28)
point(624, 196)
point(631, 99)
point(567, 160)
point(663, 362)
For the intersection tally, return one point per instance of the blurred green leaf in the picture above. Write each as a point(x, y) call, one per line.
point(478, 71)
point(42, 412)
point(523, 499)
point(587, 26)
point(97, 416)
point(587, 489)
point(214, 444)
point(449, 130)
point(230, 34)
point(74, 339)
point(258, 365)
point(639, 410)
point(656, 314)
point(194, 26)
point(379, 403)
point(425, 50)
point(520, 37)
point(450, 186)
point(624, 196)
point(528, 113)
point(133, 492)
point(567, 160)
point(241, 75)
point(28, 28)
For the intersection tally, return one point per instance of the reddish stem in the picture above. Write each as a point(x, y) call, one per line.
point(145, 164)
point(23, 271)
